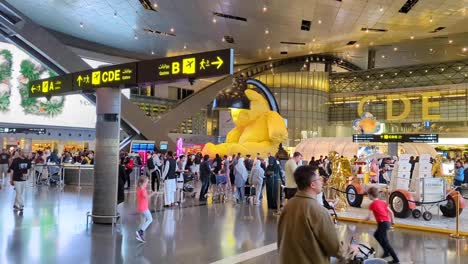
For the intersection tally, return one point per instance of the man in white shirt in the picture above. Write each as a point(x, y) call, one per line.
point(169, 176)
point(289, 169)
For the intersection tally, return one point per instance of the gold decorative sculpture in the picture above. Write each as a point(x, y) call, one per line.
point(437, 166)
point(341, 170)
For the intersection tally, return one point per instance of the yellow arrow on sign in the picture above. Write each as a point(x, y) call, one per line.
point(79, 79)
point(219, 62)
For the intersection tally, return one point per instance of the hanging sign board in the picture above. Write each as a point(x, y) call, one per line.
point(206, 64)
point(111, 76)
point(198, 65)
point(401, 138)
point(51, 86)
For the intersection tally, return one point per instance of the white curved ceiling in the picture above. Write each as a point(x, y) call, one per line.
point(121, 23)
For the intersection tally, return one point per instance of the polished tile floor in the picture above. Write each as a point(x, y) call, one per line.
point(52, 229)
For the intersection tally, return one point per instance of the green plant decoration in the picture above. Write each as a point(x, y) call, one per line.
point(29, 71)
point(6, 62)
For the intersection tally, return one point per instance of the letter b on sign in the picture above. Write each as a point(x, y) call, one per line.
point(175, 68)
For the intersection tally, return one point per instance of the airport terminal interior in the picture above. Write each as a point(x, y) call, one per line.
point(222, 131)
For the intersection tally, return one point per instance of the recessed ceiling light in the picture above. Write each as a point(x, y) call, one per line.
point(425, 71)
point(313, 40)
point(81, 25)
point(431, 49)
point(268, 47)
point(395, 49)
point(430, 19)
point(412, 37)
point(381, 9)
point(267, 31)
point(464, 49)
point(383, 56)
point(269, 58)
point(410, 72)
point(172, 29)
point(214, 19)
point(450, 41)
point(265, 8)
point(381, 75)
point(320, 21)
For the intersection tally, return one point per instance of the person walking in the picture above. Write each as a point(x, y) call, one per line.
point(272, 174)
point(306, 233)
point(289, 169)
point(180, 170)
point(129, 166)
point(169, 176)
point(384, 218)
point(19, 170)
point(205, 173)
point(256, 179)
point(4, 165)
point(142, 207)
point(241, 175)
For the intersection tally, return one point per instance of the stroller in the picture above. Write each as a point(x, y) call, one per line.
point(188, 187)
point(366, 253)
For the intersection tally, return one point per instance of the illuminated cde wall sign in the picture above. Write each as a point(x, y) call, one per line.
point(206, 64)
point(427, 104)
point(199, 65)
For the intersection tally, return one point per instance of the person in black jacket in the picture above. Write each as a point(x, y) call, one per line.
point(205, 172)
point(217, 162)
point(121, 183)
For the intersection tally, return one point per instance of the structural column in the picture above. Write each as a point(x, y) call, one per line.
point(106, 161)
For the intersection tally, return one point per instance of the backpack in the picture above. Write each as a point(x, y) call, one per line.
point(150, 164)
point(129, 165)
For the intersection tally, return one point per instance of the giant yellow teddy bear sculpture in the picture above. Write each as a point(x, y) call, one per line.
point(257, 130)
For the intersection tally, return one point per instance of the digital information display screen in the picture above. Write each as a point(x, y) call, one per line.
point(21, 130)
point(398, 138)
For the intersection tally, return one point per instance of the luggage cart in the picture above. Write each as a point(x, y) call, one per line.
point(220, 192)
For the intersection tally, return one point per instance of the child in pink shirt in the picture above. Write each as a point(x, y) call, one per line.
point(142, 207)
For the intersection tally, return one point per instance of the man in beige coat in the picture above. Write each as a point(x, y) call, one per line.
point(306, 233)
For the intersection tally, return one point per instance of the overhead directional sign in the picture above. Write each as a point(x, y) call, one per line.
point(51, 86)
point(206, 64)
point(111, 76)
point(198, 65)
